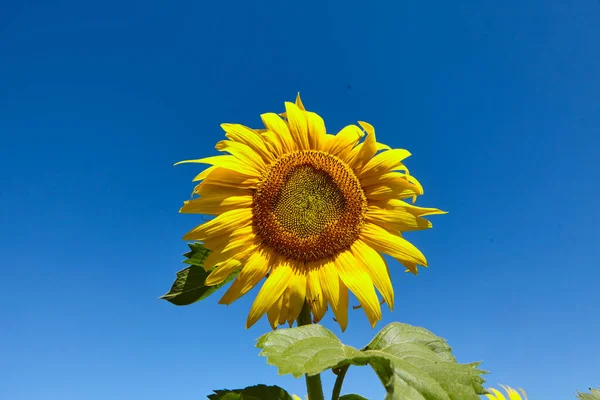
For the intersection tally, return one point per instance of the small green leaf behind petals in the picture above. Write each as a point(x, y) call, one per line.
point(258, 392)
point(189, 285)
point(352, 397)
point(197, 254)
point(411, 362)
point(593, 395)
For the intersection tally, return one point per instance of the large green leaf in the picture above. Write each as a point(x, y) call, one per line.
point(258, 392)
point(352, 397)
point(593, 395)
point(189, 285)
point(411, 362)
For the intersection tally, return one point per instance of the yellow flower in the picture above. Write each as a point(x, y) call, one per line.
point(310, 210)
point(512, 394)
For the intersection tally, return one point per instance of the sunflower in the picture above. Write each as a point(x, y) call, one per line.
point(310, 211)
point(512, 394)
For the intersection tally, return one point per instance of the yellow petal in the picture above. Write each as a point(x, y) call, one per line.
point(394, 245)
point(298, 124)
point(390, 185)
point(204, 173)
point(219, 274)
point(285, 304)
point(216, 243)
point(350, 159)
point(358, 280)
point(252, 272)
point(381, 146)
point(403, 206)
point(215, 205)
point(344, 141)
point(207, 188)
point(243, 153)
point(383, 162)
point(512, 393)
point(499, 396)
point(297, 289)
point(273, 142)
point(241, 236)
point(240, 251)
point(299, 102)
point(226, 177)
point(396, 220)
point(416, 183)
point(361, 154)
point(271, 291)
point(249, 137)
point(274, 311)
point(275, 124)
point(228, 240)
point(314, 294)
point(335, 292)
point(377, 269)
point(328, 140)
point(228, 162)
point(221, 225)
point(393, 190)
point(410, 267)
point(316, 130)
point(342, 313)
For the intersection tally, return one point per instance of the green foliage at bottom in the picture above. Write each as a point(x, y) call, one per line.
point(258, 392)
point(411, 362)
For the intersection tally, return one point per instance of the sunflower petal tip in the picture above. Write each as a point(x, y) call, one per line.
point(250, 322)
point(299, 102)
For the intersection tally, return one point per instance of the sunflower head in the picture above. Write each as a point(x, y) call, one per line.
point(310, 211)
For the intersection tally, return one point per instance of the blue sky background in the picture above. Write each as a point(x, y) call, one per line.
point(497, 101)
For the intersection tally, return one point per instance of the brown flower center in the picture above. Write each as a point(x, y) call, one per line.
point(309, 206)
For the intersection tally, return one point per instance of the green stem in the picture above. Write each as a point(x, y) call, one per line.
point(337, 388)
point(314, 387)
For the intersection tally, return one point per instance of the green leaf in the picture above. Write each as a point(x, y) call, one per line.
point(352, 397)
point(189, 285)
point(411, 362)
point(593, 395)
point(197, 255)
point(258, 392)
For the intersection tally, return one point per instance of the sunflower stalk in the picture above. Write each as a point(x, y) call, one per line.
point(337, 387)
point(314, 387)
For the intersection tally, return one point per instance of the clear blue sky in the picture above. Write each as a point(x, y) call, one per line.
point(497, 102)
